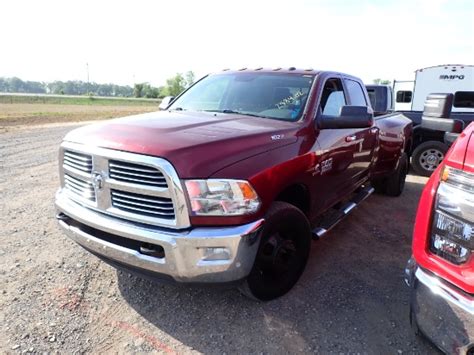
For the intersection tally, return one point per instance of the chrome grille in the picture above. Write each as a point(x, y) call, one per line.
point(136, 174)
point(78, 161)
point(135, 187)
point(81, 188)
point(146, 205)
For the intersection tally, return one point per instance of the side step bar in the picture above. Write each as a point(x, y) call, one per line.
point(342, 212)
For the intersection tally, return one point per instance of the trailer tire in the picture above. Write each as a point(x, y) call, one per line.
point(282, 254)
point(427, 156)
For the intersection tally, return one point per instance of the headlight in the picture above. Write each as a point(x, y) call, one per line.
point(452, 235)
point(215, 197)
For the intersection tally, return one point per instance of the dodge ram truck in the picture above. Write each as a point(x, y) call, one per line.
point(441, 272)
point(232, 181)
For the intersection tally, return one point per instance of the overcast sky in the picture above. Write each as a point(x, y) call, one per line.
point(136, 41)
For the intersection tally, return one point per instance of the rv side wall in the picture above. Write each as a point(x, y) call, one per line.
point(444, 79)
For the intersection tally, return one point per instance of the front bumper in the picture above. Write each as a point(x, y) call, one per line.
point(442, 312)
point(186, 254)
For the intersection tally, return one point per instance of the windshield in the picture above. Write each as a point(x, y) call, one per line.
point(267, 95)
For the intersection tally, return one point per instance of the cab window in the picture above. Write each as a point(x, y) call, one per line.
point(332, 98)
point(356, 94)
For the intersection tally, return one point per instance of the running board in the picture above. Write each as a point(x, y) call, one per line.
point(342, 212)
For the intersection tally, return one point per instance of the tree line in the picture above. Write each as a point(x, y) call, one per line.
point(173, 87)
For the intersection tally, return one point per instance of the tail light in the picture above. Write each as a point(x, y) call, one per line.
point(452, 233)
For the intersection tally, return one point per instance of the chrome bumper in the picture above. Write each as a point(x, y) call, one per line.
point(442, 313)
point(186, 253)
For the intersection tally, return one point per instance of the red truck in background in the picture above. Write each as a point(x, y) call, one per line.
point(232, 181)
point(441, 272)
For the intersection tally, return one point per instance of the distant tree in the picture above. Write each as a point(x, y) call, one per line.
point(379, 81)
point(71, 87)
point(190, 78)
point(138, 90)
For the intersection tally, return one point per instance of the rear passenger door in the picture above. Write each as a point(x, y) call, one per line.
point(366, 138)
point(345, 153)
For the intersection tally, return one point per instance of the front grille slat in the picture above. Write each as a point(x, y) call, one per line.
point(152, 199)
point(132, 167)
point(145, 205)
point(136, 174)
point(81, 188)
point(143, 210)
point(116, 171)
point(78, 161)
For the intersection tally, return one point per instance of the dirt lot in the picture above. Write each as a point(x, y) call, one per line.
point(23, 114)
point(55, 297)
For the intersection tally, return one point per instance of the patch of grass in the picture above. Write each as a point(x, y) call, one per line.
point(77, 100)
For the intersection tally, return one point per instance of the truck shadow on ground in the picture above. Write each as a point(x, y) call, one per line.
point(351, 298)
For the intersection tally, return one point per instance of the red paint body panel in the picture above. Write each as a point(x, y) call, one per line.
point(204, 145)
point(460, 275)
point(197, 144)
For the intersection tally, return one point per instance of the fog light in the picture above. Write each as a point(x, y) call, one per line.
point(449, 250)
point(216, 254)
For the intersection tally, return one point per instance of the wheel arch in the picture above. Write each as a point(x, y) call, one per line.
point(297, 195)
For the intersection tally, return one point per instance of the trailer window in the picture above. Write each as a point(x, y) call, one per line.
point(404, 96)
point(464, 99)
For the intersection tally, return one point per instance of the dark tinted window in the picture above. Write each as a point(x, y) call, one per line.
point(356, 94)
point(464, 99)
point(332, 98)
point(404, 96)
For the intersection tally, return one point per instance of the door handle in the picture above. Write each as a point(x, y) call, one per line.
point(351, 138)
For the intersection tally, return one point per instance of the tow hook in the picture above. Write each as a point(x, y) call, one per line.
point(410, 271)
point(62, 217)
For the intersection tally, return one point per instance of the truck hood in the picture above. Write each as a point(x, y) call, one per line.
point(196, 143)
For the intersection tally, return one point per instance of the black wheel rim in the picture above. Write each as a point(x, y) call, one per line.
point(278, 259)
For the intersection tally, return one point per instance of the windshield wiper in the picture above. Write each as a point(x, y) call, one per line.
point(237, 113)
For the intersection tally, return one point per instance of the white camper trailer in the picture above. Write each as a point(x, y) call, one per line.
point(450, 79)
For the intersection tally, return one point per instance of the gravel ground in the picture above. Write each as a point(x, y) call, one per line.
point(55, 297)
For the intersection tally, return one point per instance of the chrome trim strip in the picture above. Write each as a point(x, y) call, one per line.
point(445, 291)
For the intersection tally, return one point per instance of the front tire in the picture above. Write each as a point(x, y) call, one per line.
point(427, 156)
point(282, 255)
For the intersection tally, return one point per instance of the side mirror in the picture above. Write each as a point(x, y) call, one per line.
point(438, 105)
point(350, 117)
point(167, 100)
point(436, 113)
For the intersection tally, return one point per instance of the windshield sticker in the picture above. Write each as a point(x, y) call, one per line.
point(289, 100)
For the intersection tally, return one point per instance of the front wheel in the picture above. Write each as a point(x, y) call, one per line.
point(427, 156)
point(282, 255)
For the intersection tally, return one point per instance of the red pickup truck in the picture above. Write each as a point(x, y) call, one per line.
point(441, 272)
point(233, 180)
